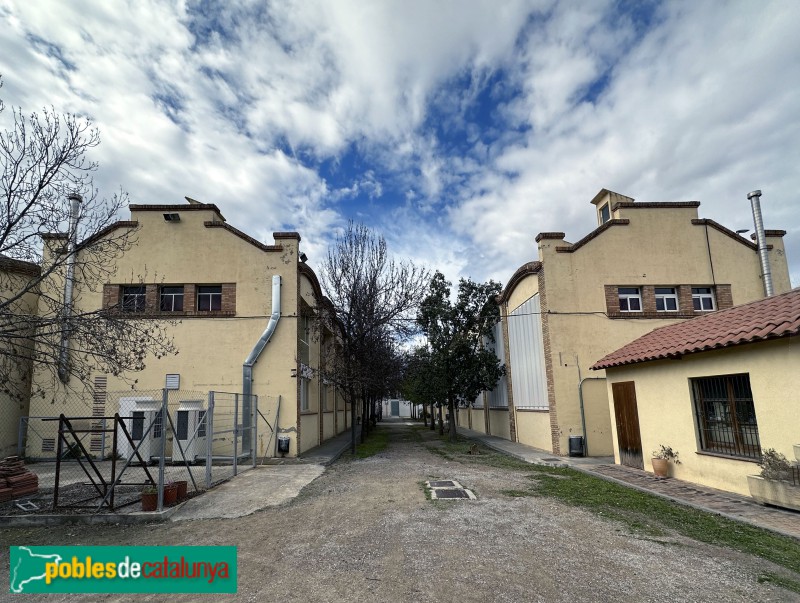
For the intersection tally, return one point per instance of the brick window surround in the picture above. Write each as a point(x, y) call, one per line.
point(722, 296)
point(112, 297)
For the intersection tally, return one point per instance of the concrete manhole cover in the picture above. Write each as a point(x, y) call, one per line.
point(448, 490)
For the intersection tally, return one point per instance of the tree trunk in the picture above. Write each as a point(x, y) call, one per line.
point(441, 421)
point(451, 407)
point(424, 416)
point(433, 417)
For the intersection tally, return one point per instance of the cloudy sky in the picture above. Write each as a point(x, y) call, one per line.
point(457, 129)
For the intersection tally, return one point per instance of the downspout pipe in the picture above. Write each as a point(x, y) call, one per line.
point(761, 239)
point(75, 201)
point(250, 361)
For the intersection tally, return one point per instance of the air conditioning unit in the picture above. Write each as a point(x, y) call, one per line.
point(142, 417)
point(190, 431)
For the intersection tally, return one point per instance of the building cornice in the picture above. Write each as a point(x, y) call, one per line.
point(523, 271)
point(595, 233)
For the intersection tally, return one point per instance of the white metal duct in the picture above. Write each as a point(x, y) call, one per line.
point(526, 348)
point(498, 397)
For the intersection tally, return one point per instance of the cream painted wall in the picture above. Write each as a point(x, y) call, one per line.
point(498, 424)
point(533, 428)
point(213, 349)
point(525, 289)
point(666, 410)
point(15, 395)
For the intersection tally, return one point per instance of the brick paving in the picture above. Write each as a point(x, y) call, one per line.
point(728, 504)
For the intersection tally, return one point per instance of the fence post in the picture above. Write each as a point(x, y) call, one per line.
point(162, 457)
point(254, 423)
point(209, 437)
point(235, 433)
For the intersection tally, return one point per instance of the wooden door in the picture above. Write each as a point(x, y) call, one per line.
point(627, 416)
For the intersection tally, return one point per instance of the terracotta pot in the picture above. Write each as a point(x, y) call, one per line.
point(183, 486)
point(170, 495)
point(660, 467)
point(149, 501)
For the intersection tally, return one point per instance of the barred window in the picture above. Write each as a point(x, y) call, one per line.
point(726, 417)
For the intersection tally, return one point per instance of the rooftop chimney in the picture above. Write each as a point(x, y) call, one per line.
point(761, 240)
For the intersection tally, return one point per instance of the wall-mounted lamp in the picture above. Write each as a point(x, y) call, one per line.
point(741, 231)
point(303, 257)
point(172, 217)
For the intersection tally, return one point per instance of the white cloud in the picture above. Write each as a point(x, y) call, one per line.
point(242, 103)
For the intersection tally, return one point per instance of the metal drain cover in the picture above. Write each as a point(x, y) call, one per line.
point(450, 493)
point(443, 484)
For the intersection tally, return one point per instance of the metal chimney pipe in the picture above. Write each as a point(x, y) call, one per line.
point(761, 240)
point(69, 284)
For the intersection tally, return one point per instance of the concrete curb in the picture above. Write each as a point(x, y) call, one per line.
point(22, 521)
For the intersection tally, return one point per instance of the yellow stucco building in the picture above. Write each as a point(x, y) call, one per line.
point(19, 301)
point(222, 291)
point(646, 265)
point(718, 390)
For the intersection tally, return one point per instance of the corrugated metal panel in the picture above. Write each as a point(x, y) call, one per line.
point(498, 397)
point(526, 348)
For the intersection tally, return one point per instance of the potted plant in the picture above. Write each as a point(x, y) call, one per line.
point(777, 483)
point(661, 459)
point(149, 498)
point(182, 486)
point(170, 494)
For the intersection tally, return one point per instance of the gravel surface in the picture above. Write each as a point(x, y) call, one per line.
point(364, 531)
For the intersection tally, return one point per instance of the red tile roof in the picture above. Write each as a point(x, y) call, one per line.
point(770, 318)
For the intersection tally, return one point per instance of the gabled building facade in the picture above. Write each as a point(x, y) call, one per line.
point(221, 290)
point(646, 265)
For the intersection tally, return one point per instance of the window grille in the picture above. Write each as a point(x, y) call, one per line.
point(726, 417)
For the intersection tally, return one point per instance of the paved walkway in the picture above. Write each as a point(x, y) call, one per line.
point(727, 504)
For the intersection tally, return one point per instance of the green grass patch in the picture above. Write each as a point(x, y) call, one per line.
point(517, 493)
point(376, 441)
point(782, 581)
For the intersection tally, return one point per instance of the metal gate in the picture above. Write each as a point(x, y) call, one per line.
point(627, 417)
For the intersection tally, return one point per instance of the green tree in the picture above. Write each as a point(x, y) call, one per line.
point(457, 332)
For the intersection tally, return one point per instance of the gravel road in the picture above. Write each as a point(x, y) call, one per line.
point(364, 531)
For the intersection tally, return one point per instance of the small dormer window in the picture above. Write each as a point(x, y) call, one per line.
point(605, 213)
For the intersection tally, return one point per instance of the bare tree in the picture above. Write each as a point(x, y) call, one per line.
point(43, 162)
point(373, 299)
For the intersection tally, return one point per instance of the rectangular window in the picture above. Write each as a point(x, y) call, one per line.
point(209, 298)
point(201, 419)
point(304, 383)
point(666, 299)
point(137, 425)
point(133, 298)
point(703, 299)
point(726, 417)
point(182, 429)
point(158, 425)
point(172, 299)
point(630, 299)
point(605, 214)
point(303, 337)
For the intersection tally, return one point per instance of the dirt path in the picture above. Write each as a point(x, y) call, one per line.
point(364, 531)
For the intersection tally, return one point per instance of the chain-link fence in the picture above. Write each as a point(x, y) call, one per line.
point(139, 443)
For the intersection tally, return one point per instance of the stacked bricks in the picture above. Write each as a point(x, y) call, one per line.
point(15, 480)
